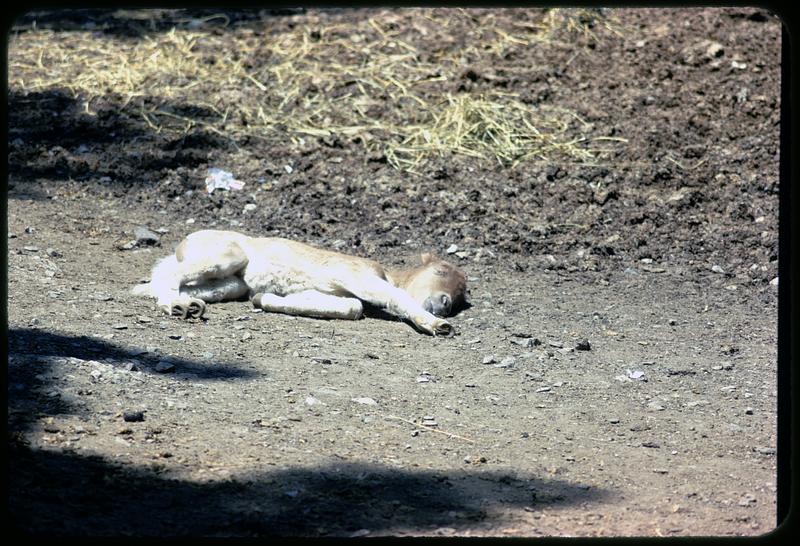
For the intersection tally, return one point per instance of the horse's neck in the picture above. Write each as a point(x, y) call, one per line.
point(401, 278)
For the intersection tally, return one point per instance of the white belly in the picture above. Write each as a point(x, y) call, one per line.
point(274, 268)
point(277, 280)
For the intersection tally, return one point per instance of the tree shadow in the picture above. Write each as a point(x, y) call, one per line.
point(135, 23)
point(33, 353)
point(57, 494)
point(43, 344)
point(51, 134)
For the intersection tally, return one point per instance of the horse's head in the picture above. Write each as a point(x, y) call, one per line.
point(437, 285)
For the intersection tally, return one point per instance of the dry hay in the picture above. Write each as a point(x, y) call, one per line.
point(365, 81)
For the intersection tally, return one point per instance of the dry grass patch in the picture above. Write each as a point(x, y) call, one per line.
point(369, 81)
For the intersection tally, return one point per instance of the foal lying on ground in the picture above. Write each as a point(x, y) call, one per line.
point(284, 276)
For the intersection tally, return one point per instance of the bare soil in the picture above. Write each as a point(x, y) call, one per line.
point(614, 375)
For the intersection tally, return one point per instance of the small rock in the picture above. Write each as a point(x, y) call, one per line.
point(129, 367)
point(133, 416)
point(320, 360)
point(636, 375)
point(507, 362)
point(488, 359)
point(452, 249)
point(145, 237)
point(364, 400)
point(672, 322)
point(543, 389)
point(119, 326)
point(527, 342)
point(583, 345)
point(714, 50)
point(246, 336)
point(555, 343)
point(774, 282)
point(747, 500)
point(311, 401)
point(31, 248)
point(717, 269)
point(250, 207)
point(164, 366)
point(288, 169)
point(126, 245)
point(766, 450)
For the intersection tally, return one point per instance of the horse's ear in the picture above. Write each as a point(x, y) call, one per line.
point(427, 257)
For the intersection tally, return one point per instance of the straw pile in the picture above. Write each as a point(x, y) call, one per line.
point(366, 81)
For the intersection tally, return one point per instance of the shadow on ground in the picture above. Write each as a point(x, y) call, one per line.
point(32, 353)
point(54, 135)
point(137, 23)
point(65, 494)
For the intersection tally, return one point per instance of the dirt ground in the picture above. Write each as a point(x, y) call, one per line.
point(614, 374)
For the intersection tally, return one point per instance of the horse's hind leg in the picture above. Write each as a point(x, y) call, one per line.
point(311, 303)
point(200, 271)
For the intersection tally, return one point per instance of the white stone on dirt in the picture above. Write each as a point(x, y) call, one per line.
point(715, 49)
point(145, 237)
point(637, 375)
point(747, 500)
point(507, 362)
point(364, 400)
